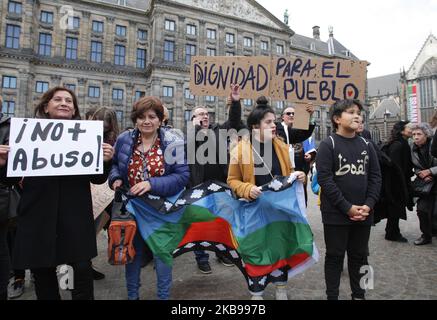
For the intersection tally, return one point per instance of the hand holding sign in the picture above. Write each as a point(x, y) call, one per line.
point(302, 116)
point(235, 92)
point(310, 109)
point(108, 152)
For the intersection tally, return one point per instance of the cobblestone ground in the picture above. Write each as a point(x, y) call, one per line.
point(401, 271)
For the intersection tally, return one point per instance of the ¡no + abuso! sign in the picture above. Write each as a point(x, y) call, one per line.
point(44, 147)
point(296, 79)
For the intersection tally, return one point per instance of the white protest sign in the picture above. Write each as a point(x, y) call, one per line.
point(49, 147)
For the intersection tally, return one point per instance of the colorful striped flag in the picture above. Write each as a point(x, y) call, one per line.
point(268, 239)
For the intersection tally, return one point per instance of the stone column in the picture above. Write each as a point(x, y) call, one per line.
point(28, 38)
point(130, 97)
point(201, 38)
point(109, 41)
point(84, 37)
point(106, 94)
point(180, 41)
point(131, 45)
point(55, 80)
point(156, 90)
point(81, 93)
point(434, 91)
point(156, 39)
point(221, 38)
point(178, 109)
point(24, 100)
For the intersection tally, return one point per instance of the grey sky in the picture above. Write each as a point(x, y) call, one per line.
point(387, 33)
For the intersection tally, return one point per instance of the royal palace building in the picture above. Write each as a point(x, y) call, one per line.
point(111, 52)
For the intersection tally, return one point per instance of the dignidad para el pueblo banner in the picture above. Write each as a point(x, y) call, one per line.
point(295, 79)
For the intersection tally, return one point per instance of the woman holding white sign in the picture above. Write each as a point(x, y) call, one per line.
point(55, 218)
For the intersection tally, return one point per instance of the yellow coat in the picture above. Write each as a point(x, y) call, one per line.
point(241, 176)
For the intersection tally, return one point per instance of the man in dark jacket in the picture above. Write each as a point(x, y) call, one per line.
point(285, 129)
point(300, 159)
point(212, 166)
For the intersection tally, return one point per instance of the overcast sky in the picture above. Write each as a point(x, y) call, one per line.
point(387, 33)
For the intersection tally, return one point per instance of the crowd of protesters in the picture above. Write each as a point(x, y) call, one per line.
point(356, 179)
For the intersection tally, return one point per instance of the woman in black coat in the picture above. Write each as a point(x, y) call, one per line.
point(4, 207)
point(55, 220)
point(399, 152)
point(425, 169)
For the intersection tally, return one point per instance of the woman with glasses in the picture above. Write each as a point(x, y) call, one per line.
point(55, 218)
point(295, 138)
point(425, 169)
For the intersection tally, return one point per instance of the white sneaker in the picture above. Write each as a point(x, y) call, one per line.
point(254, 297)
point(281, 293)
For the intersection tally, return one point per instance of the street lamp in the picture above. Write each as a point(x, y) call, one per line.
point(387, 114)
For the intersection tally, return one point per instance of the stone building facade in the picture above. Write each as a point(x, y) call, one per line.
point(419, 84)
point(384, 96)
point(110, 52)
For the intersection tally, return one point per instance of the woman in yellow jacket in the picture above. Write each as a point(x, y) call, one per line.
point(256, 160)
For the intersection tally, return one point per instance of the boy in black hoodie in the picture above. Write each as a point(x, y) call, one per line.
point(350, 181)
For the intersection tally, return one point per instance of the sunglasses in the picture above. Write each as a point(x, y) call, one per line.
point(289, 114)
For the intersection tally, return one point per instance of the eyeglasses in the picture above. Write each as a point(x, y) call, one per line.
point(289, 114)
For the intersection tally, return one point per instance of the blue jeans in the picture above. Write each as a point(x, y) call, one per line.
point(201, 256)
point(133, 272)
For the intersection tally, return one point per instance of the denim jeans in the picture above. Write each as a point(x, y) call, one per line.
point(201, 256)
point(133, 272)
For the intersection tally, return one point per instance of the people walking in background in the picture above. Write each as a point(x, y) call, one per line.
point(424, 186)
point(350, 180)
point(397, 186)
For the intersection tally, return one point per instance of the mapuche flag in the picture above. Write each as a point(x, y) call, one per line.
point(268, 239)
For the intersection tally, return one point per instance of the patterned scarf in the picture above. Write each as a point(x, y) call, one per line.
point(146, 164)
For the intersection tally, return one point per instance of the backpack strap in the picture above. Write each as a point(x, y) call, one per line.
point(365, 141)
point(333, 143)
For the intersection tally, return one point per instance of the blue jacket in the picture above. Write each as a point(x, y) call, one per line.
point(177, 172)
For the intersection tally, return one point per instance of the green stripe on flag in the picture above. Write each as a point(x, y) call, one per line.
point(274, 242)
point(166, 239)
